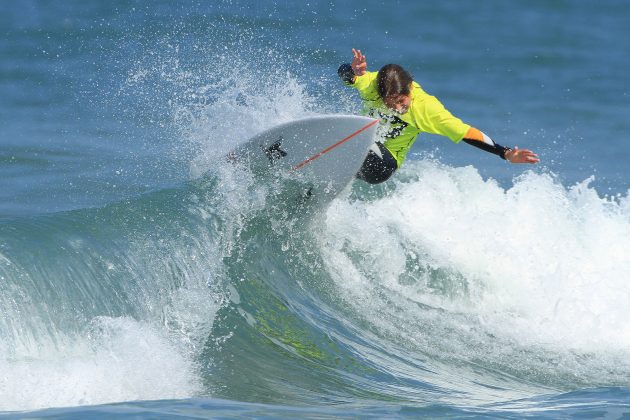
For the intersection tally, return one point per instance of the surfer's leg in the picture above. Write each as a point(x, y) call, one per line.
point(378, 166)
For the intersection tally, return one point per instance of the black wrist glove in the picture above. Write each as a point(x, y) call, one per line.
point(346, 73)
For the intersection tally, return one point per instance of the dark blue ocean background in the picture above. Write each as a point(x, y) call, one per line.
point(140, 277)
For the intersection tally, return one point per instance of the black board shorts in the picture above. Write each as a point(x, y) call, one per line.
point(377, 169)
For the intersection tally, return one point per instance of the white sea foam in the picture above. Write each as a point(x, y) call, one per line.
point(50, 357)
point(243, 97)
point(536, 266)
point(116, 359)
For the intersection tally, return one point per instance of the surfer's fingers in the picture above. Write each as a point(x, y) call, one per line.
point(527, 156)
point(528, 153)
point(533, 158)
point(523, 156)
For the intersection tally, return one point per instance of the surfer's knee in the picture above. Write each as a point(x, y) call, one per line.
point(378, 168)
point(372, 177)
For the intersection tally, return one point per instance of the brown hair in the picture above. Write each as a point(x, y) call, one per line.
point(393, 80)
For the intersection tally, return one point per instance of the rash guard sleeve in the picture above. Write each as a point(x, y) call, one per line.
point(366, 85)
point(429, 115)
point(478, 139)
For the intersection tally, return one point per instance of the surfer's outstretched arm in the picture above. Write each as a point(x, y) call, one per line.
point(478, 139)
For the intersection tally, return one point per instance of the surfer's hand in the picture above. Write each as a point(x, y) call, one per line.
point(359, 66)
point(517, 155)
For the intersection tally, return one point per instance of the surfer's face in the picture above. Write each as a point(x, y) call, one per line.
point(398, 103)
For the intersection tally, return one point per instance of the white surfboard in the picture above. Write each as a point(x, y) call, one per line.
point(323, 152)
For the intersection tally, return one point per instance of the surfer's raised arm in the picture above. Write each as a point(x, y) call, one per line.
point(358, 67)
point(406, 110)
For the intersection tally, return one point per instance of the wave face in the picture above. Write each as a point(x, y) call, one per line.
point(439, 287)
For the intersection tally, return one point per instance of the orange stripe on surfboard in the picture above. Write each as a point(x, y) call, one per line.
point(331, 147)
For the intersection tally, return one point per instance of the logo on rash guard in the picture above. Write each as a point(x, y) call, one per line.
point(392, 123)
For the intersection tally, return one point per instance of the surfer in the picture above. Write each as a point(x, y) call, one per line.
point(405, 111)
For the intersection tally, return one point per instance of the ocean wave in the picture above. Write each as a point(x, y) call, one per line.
point(438, 286)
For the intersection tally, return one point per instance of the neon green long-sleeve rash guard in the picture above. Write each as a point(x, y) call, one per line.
point(425, 114)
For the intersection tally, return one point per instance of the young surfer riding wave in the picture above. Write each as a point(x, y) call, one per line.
point(406, 110)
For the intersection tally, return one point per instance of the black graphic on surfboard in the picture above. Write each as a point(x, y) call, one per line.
point(274, 152)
